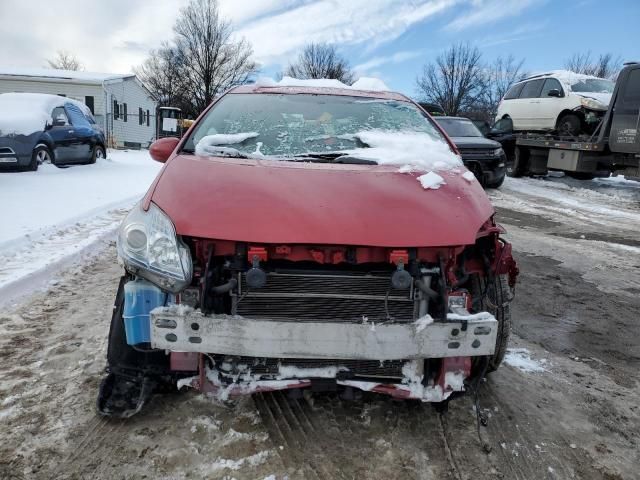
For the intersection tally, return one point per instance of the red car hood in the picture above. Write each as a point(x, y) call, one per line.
point(268, 201)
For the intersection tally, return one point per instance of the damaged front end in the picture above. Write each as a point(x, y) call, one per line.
point(232, 318)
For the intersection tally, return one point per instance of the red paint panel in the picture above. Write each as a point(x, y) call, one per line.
point(266, 201)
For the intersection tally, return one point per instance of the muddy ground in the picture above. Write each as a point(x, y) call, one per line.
point(576, 312)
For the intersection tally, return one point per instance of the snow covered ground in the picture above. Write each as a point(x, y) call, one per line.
point(55, 216)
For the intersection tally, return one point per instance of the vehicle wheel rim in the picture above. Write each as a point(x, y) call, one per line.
point(43, 156)
point(99, 153)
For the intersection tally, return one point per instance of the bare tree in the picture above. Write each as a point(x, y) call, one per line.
point(455, 81)
point(213, 61)
point(499, 76)
point(605, 66)
point(321, 60)
point(161, 72)
point(65, 61)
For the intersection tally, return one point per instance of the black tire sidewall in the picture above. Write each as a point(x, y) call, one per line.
point(34, 164)
point(574, 122)
point(496, 303)
point(94, 156)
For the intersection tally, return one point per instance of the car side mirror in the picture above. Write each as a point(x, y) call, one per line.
point(554, 92)
point(161, 150)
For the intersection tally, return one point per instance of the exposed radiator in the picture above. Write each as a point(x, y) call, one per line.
point(306, 297)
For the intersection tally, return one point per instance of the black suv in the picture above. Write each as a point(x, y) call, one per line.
point(484, 157)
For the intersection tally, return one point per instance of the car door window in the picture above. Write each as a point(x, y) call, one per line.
point(550, 84)
point(76, 116)
point(514, 91)
point(532, 89)
point(59, 117)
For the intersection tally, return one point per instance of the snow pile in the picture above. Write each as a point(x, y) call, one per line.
point(520, 358)
point(208, 145)
point(480, 316)
point(423, 322)
point(370, 84)
point(252, 460)
point(469, 176)
point(431, 180)
point(454, 381)
point(289, 371)
point(52, 217)
point(365, 83)
point(94, 77)
point(412, 151)
point(26, 113)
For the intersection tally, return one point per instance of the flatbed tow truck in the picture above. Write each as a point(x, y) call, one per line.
point(612, 149)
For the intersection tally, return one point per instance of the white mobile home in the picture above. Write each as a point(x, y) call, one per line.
point(120, 103)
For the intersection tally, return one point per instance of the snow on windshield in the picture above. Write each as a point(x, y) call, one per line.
point(413, 151)
point(207, 144)
point(26, 113)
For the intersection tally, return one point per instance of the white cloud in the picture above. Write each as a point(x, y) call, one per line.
point(106, 36)
point(357, 22)
point(397, 57)
point(115, 36)
point(523, 32)
point(489, 11)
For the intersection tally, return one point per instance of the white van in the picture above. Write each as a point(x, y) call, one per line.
point(567, 102)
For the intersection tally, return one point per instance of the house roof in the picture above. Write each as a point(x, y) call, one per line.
point(71, 75)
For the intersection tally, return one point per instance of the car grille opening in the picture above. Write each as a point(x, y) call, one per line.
point(269, 366)
point(312, 297)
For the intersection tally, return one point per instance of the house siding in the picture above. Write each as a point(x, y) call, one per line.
point(129, 91)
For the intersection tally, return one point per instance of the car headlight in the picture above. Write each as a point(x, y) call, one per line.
point(497, 152)
point(592, 104)
point(149, 247)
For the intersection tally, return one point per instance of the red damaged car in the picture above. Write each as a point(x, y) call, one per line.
point(309, 236)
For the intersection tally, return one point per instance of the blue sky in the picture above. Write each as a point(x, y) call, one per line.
point(542, 33)
point(390, 39)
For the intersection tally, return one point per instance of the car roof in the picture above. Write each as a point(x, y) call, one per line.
point(565, 76)
point(443, 117)
point(297, 90)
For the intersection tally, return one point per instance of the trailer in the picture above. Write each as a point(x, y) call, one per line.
point(612, 149)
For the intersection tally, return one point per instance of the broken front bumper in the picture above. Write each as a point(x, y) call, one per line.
point(184, 330)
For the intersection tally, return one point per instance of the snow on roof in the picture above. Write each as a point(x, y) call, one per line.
point(565, 76)
point(364, 83)
point(78, 76)
point(26, 113)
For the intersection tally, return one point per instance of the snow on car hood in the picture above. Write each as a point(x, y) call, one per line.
point(270, 201)
point(26, 113)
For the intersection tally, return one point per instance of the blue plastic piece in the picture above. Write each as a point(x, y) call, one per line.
point(140, 297)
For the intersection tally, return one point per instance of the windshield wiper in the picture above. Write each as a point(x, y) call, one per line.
point(220, 151)
point(333, 157)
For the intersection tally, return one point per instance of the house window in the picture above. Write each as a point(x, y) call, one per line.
point(116, 110)
point(124, 112)
point(88, 101)
point(140, 116)
point(147, 118)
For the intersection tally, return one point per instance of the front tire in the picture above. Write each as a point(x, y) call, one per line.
point(495, 300)
point(41, 154)
point(569, 124)
point(497, 184)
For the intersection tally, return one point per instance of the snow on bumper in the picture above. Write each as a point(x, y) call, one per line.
point(185, 330)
